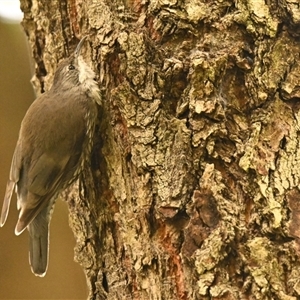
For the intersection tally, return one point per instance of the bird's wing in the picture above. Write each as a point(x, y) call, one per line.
point(6, 203)
point(13, 178)
point(43, 178)
point(45, 173)
point(37, 186)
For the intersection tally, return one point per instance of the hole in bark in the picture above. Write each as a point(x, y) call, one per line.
point(104, 283)
point(128, 157)
point(283, 143)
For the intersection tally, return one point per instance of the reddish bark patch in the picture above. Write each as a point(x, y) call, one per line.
point(153, 33)
point(73, 17)
point(169, 238)
point(293, 198)
point(204, 217)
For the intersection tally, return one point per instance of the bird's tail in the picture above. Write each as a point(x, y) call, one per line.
point(38, 243)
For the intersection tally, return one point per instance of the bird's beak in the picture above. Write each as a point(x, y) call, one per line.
point(79, 46)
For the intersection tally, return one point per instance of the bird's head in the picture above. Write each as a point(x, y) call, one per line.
point(74, 72)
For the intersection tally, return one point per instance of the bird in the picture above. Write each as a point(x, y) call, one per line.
point(54, 144)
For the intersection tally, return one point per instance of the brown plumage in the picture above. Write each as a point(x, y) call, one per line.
point(54, 141)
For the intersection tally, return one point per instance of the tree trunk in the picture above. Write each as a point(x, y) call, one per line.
point(193, 187)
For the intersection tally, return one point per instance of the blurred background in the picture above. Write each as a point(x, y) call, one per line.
point(65, 278)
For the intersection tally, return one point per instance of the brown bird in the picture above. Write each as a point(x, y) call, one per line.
point(55, 141)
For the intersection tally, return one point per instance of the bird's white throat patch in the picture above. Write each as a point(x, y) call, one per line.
point(86, 78)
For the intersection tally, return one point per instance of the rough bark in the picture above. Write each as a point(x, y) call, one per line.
point(193, 187)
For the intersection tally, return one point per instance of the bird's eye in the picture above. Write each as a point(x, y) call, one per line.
point(71, 67)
